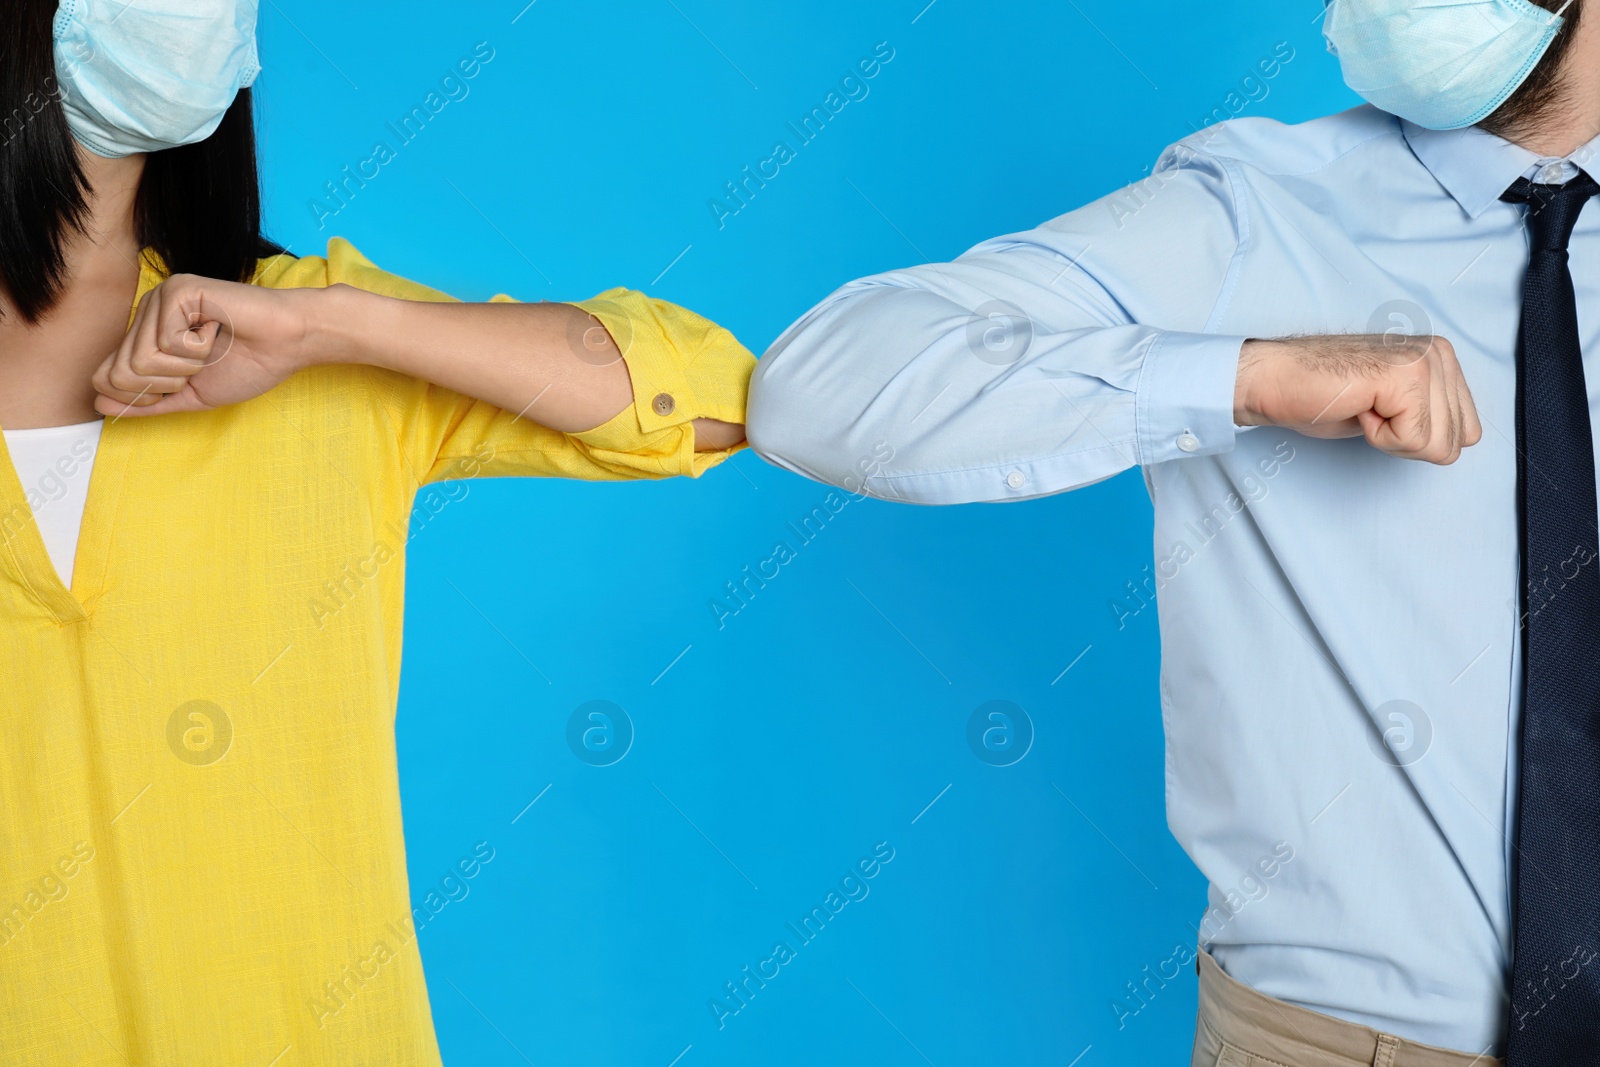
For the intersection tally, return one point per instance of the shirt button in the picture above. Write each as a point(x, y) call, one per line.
point(663, 404)
point(1016, 480)
point(1188, 442)
point(1553, 174)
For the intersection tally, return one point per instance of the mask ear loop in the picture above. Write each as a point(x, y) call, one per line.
point(1561, 11)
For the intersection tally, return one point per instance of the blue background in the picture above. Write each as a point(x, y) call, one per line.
point(771, 754)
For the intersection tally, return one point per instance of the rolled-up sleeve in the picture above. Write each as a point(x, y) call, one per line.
point(683, 367)
point(1033, 364)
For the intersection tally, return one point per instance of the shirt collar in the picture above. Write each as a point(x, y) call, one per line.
point(1476, 166)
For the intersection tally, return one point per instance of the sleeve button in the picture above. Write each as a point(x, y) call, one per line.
point(1016, 480)
point(663, 404)
point(1188, 442)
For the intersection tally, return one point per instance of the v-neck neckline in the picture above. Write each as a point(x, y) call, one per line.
point(92, 553)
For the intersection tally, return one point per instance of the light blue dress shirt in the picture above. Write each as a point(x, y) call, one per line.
point(1314, 596)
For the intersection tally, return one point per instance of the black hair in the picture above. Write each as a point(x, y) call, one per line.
point(1541, 95)
point(198, 206)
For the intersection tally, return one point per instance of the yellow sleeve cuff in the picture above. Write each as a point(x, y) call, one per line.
point(683, 367)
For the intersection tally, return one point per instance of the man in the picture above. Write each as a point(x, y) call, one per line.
point(1271, 326)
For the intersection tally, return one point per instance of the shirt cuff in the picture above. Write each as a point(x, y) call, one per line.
point(1185, 396)
point(683, 367)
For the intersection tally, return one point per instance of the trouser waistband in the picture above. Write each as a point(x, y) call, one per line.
point(1236, 1023)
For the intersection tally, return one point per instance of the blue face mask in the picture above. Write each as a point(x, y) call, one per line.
point(1443, 64)
point(144, 75)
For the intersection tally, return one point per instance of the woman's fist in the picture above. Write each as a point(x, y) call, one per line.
point(197, 343)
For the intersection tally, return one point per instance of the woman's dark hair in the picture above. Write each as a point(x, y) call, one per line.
point(198, 206)
point(1541, 95)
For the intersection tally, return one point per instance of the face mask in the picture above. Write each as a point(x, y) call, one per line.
point(144, 75)
point(1443, 64)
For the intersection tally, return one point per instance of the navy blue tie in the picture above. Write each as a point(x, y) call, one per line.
point(1555, 971)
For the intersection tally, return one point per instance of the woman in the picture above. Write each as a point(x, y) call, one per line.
point(201, 854)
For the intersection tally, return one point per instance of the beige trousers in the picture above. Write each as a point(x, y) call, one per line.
point(1239, 1027)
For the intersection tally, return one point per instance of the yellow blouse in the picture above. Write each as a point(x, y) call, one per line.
point(201, 856)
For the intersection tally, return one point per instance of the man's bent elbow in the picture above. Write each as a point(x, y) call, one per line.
point(787, 427)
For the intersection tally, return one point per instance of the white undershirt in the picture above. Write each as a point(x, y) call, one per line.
point(53, 465)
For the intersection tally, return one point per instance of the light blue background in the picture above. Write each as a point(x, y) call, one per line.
point(773, 753)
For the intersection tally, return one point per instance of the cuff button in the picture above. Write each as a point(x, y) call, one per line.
point(663, 404)
point(1016, 480)
point(1188, 442)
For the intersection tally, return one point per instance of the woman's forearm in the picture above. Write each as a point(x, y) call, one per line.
point(524, 358)
point(552, 363)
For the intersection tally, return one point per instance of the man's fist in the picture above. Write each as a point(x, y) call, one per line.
point(1405, 395)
